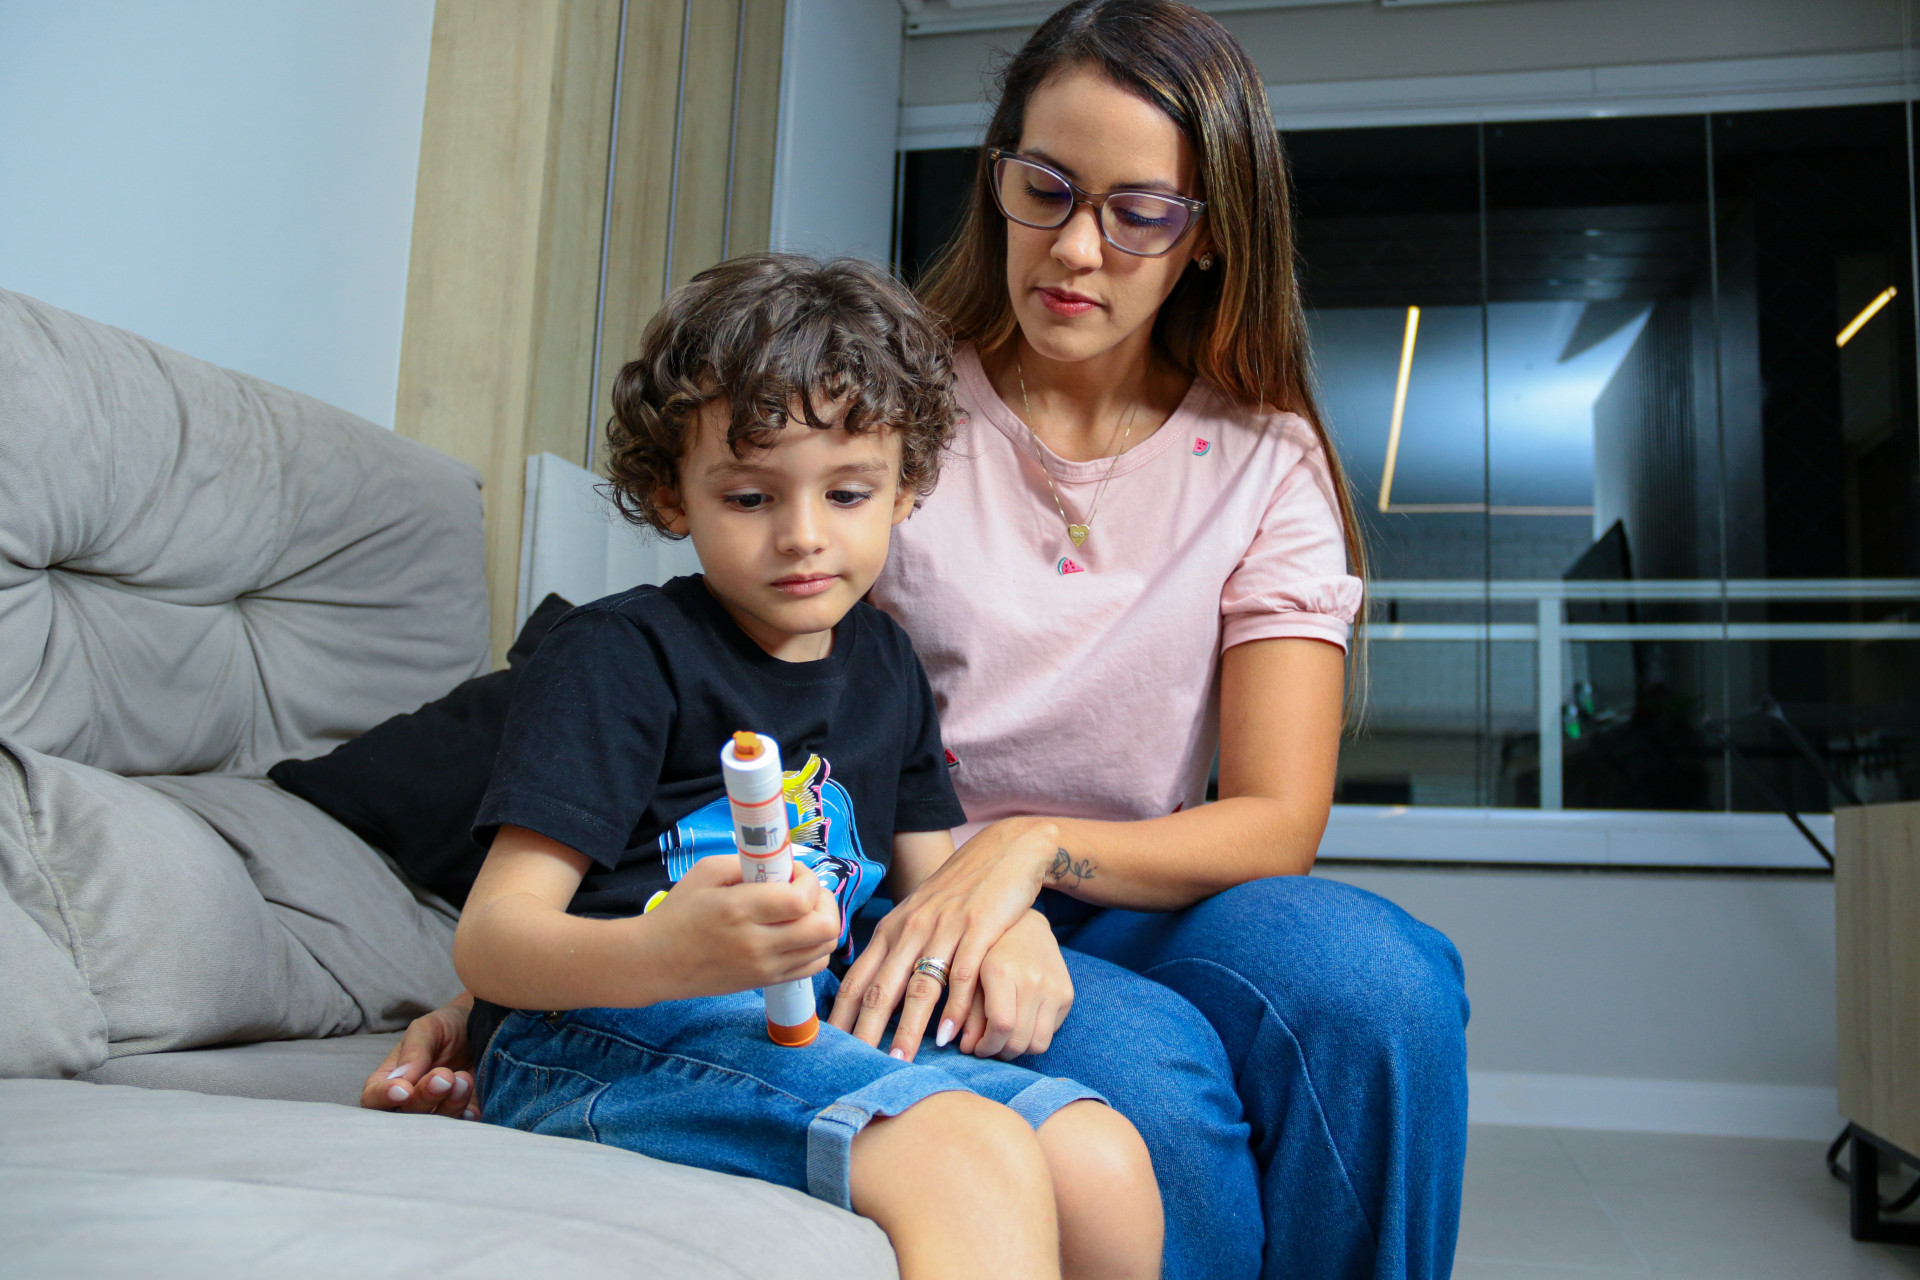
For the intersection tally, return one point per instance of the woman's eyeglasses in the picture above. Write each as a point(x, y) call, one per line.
point(1143, 223)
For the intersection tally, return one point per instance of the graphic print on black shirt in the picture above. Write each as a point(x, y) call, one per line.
point(820, 824)
point(612, 746)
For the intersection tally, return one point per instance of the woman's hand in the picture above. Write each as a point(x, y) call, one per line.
point(1024, 994)
point(430, 1069)
point(957, 914)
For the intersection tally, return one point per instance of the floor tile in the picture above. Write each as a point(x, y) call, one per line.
point(1484, 1269)
point(1683, 1160)
point(1558, 1204)
point(1526, 1202)
point(1753, 1233)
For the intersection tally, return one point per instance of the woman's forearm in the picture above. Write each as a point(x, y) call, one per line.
point(1279, 751)
point(1163, 864)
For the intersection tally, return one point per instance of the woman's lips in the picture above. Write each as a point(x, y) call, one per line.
point(1064, 302)
point(806, 584)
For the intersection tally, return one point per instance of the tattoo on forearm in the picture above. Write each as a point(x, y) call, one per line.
point(1069, 870)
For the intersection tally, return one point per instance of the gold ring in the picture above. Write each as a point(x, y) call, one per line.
point(933, 967)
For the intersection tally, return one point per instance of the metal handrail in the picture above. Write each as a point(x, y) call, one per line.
point(1652, 589)
point(1550, 632)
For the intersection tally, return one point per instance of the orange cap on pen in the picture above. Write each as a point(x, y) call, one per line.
point(794, 1037)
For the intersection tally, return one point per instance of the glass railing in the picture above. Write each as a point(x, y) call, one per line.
point(1548, 630)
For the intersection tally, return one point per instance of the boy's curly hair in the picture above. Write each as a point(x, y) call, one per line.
point(775, 335)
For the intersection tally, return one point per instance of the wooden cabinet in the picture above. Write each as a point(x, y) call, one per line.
point(1877, 899)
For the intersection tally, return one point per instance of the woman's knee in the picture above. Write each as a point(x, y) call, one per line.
point(1326, 957)
point(1154, 1056)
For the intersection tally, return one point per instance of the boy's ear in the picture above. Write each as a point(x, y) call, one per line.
point(667, 502)
point(904, 498)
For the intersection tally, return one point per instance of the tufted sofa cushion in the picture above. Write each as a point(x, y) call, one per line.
point(203, 572)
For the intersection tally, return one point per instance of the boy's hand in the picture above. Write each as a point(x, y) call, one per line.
point(721, 936)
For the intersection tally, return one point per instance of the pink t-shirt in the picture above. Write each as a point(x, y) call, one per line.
point(1082, 681)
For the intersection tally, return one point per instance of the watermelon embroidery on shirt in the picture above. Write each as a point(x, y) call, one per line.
point(1067, 566)
point(1201, 447)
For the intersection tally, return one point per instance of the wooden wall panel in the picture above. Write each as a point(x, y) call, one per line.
point(699, 229)
point(642, 194)
point(1877, 904)
point(505, 261)
point(725, 144)
point(756, 125)
point(509, 313)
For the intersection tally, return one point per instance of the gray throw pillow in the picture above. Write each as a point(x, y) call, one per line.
point(157, 934)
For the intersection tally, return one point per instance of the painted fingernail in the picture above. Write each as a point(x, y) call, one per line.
point(439, 1084)
point(897, 1054)
point(396, 1073)
point(469, 1114)
point(945, 1033)
point(396, 1094)
point(459, 1087)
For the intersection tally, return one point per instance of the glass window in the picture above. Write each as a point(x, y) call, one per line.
point(1390, 232)
point(1629, 408)
point(1815, 239)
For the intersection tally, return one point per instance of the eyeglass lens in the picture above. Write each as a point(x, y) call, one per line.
point(1131, 220)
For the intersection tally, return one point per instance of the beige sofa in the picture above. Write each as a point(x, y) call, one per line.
point(201, 574)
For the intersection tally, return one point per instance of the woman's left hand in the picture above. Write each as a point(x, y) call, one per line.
point(957, 914)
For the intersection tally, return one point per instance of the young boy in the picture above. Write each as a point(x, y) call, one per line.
point(785, 415)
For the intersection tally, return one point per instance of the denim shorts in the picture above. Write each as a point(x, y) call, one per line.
point(697, 1082)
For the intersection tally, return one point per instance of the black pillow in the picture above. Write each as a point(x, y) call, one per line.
point(410, 786)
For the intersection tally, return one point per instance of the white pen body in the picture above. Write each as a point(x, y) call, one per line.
point(757, 796)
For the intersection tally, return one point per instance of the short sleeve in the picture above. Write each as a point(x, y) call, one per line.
point(585, 738)
point(926, 800)
point(1293, 580)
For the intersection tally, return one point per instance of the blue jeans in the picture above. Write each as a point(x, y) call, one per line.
point(697, 1082)
point(1293, 1051)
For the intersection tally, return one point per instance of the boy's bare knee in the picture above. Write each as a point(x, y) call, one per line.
point(1091, 1142)
point(1108, 1203)
point(960, 1186)
point(947, 1135)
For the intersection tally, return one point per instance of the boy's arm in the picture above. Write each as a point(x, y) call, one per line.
point(916, 854)
point(517, 946)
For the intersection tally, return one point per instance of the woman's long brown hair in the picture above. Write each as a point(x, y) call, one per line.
point(1240, 326)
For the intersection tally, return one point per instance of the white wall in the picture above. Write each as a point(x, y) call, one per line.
point(839, 113)
point(1682, 1002)
point(232, 178)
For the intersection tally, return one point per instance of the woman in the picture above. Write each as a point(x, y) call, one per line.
point(1142, 545)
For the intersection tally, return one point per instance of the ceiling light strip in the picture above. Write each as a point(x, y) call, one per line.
point(1867, 313)
point(1399, 407)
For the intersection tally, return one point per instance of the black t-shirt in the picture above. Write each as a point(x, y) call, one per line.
point(612, 745)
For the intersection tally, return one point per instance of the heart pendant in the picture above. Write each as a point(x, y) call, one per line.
point(1078, 532)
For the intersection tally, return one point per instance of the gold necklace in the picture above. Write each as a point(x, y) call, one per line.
point(1078, 532)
